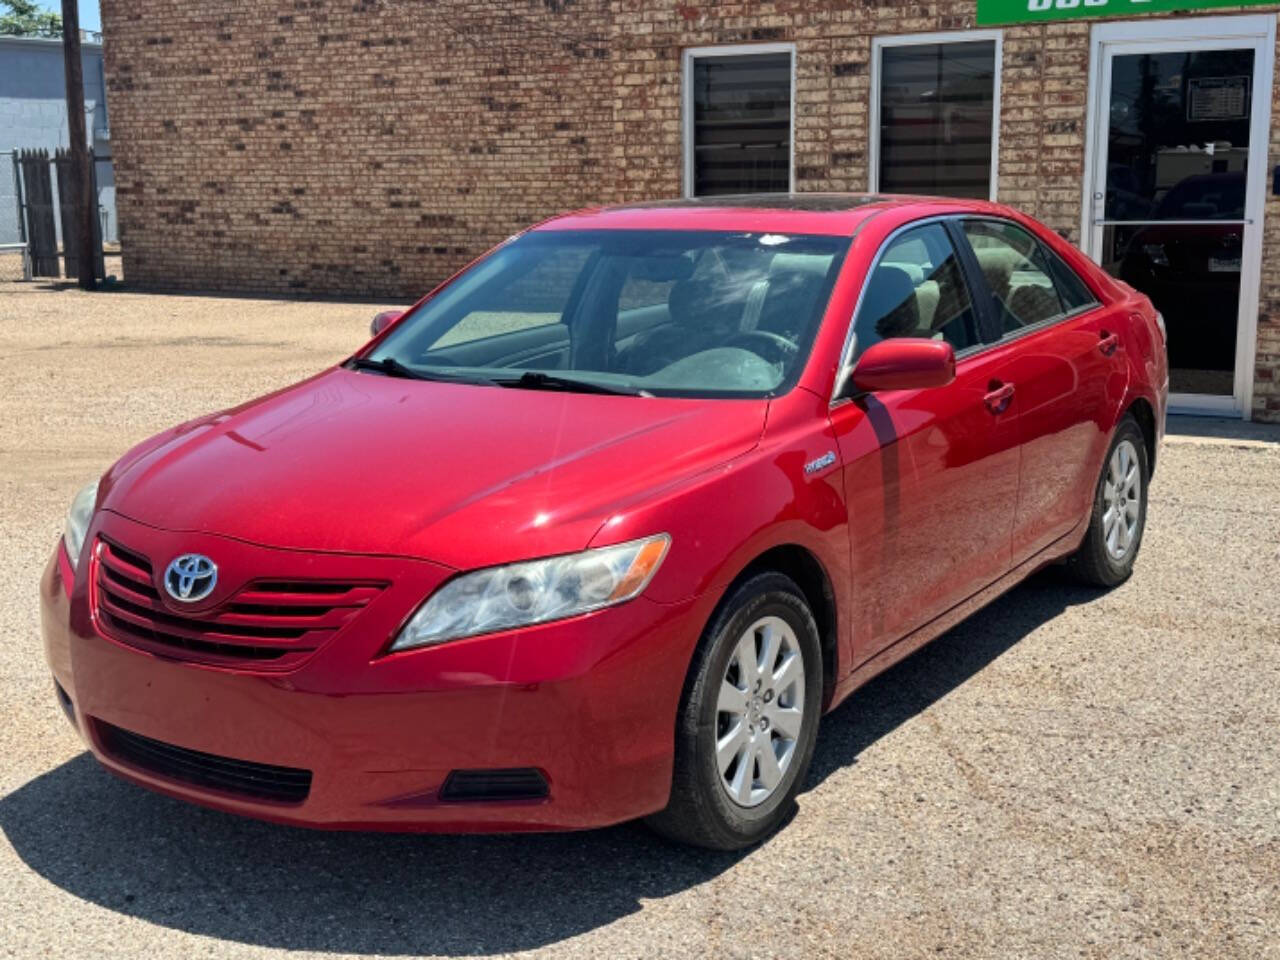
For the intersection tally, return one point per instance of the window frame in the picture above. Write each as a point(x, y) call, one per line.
point(687, 121)
point(878, 44)
point(990, 335)
point(977, 278)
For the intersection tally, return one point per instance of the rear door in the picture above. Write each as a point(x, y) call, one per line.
point(1062, 352)
point(930, 476)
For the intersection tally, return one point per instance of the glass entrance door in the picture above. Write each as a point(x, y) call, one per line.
point(1173, 210)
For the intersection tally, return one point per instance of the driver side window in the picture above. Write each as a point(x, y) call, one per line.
point(917, 289)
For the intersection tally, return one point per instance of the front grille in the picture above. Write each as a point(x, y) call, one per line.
point(267, 625)
point(256, 781)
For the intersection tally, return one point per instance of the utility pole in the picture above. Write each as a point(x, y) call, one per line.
point(81, 176)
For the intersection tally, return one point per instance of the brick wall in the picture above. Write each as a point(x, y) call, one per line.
point(353, 147)
point(1266, 381)
point(833, 83)
point(1042, 122)
point(373, 146)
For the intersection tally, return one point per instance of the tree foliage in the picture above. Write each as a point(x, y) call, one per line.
point(25, 18)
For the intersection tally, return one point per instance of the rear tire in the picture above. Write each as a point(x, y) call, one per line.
point(748, 719)
point(1119, 514)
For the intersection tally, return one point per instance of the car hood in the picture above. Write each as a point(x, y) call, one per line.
point(462, 475)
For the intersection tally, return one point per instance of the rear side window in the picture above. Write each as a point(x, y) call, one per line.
point(1029, 284)
point(1075, 295)
point(917, 289)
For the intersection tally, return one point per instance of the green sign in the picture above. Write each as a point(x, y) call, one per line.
point(1041, 11)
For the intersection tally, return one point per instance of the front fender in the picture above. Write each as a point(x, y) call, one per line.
point(722, 521)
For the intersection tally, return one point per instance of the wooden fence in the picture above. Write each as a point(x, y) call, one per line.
point(40, 209)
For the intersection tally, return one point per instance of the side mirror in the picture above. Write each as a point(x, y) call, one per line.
point(904, 363)
point(383, 320)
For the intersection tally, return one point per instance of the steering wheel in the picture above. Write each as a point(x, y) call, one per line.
point(778, 349)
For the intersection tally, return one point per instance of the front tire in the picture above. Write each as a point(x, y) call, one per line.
point(1119, 514)
point(748, 719)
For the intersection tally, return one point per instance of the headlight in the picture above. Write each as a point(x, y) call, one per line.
point(522, 594)
point(78, 518)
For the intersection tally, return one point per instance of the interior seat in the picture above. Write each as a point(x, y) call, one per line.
point(997, 265)
point(928, 295)
point(913, 270)
point(890, 299)
point(700, 312)
point(1021, 303)
point(787, 297)
point(1032, 303)
point(703, 306)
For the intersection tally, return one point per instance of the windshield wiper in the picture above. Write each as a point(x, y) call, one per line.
point(529, 380)
point(391, 367)
point(537, 380)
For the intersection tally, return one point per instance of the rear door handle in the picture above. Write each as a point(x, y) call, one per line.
point(999, 398)
point(1108, 343)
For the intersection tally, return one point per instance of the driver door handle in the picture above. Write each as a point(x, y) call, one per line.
point(1108, 342)
point(999, 397)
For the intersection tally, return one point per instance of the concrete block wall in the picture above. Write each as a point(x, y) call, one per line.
point(33, 115)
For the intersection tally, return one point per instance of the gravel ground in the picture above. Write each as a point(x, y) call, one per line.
point(1068, 773)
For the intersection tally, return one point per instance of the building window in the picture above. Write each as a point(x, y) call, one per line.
point(738, 119)
point(936, 115)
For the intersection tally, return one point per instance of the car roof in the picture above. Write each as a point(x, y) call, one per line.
point(834, 214)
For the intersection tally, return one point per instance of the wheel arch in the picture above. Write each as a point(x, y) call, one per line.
point(802, 566)
point(1145, 414)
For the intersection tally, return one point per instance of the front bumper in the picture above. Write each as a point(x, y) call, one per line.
point(589, 702)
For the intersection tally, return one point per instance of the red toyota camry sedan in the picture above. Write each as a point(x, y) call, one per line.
point(601, 527)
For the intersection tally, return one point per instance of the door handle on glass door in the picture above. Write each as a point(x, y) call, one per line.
point(1108, 343)
point(999, 397)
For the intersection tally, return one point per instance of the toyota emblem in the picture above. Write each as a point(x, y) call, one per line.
point(190, 577)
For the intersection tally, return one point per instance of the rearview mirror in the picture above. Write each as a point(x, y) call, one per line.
point(904, 363)
point(383, 320)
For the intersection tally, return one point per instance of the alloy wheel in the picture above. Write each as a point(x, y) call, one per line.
point(759, 711)
point(1122, 500)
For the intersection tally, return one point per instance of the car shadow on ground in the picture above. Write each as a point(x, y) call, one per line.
point(215, 875)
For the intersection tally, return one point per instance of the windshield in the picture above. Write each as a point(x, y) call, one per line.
point(683, 313)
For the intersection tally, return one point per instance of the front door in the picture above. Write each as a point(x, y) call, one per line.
point(930, 476)
point(1179, 151)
